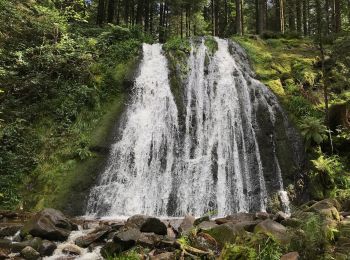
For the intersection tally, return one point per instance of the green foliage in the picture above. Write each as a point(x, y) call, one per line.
point(271, 250)
point(237, 252)
point(178, 44)
point(303, 73)
point(313, 131)
point(56, 80)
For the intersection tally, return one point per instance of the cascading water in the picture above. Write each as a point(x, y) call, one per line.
point(227, 160)
point(139, 172)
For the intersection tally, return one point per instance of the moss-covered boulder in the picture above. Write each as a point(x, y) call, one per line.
point(226, 233)
point(274, 230)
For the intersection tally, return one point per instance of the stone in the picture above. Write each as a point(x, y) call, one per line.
point(273, 229)
point(205, 225)
point(49, 224)
point(164, 256)
point(204, 241)
point(200, 220)
point(187, 224)
point(9, 231)
point(235, 218)
point(326, 203)
point(4, 254)
point(154, 225)
point(262, 215)
point(97, 234)
point(30, 253)
point(125, 239)
point(47, 248)
point(168, 244)
point(71, 249)
point(292, 222)
point(5, 243)
point(291, 256)
point(326, 209)
point(171, 232)
point(136, 221)
point(148, 240)
point(225, 233)
point(34, 243)
point(280, 216)
point(111, 249)
point(248, 225)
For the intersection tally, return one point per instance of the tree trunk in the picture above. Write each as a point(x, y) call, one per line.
point(305, 17)
point(261, 16)
point(239, 27)
point(338, 20)
point(111, 11)
point(299, 16)
point(291, 14)
point(139, 12)
point(101, 10)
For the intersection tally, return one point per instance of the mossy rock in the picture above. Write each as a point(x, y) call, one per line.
point(226, 233)
point(273, 229)
point(276, 87)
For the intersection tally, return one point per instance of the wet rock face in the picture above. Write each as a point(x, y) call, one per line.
point(49, 224)
point(30, 253)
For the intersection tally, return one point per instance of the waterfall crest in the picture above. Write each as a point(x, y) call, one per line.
point(227, 160)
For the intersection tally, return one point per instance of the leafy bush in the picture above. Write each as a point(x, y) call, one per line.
point(238, 252)
point(313, 130)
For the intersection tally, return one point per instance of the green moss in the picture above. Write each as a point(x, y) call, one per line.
point(211, 44)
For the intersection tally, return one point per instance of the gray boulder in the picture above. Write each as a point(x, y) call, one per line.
point(49, 224)
point(273, 229)
point(47, 248)
point(154, 225)
point(96, 235)
point(30, 253)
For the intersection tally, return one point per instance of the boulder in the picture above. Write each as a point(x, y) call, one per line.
point(291, 256)
point(204, 241)
point(235, 218)
point(9, 231)
point(262, 215)
point(154, 225)
point(273, 229)
point(71, 249)
point(97, 234)
point(47, 248)
point(124, 240)
point(280, 216)
point(206, 225)
point(148, 240)
point(111, 249)
point(4, 254)
point(187, 224)
point(168, 244)
point(328, 208)
point(34, 243)
point(292, 222)
point(248, 225)
point(30, 253)
point(200, 220)
point(5, 243)
point(136, 221)
point(225, 233)
point(171, 232)
point(49, 224)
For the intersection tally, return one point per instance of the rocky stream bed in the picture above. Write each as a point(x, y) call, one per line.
point(51, 235)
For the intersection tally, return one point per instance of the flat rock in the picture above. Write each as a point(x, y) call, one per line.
point(200, 220)
point(97, 234)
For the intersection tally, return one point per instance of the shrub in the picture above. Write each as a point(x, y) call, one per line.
point(313, 131)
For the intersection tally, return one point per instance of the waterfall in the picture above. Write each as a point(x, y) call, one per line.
point(139, 172)
point(227, 160)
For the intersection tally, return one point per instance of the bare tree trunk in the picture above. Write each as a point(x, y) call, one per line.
point(101, 12)
point(305, 17)
point(299, 16)
point(239, 27)
point(338, 19)
point(111, 11)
